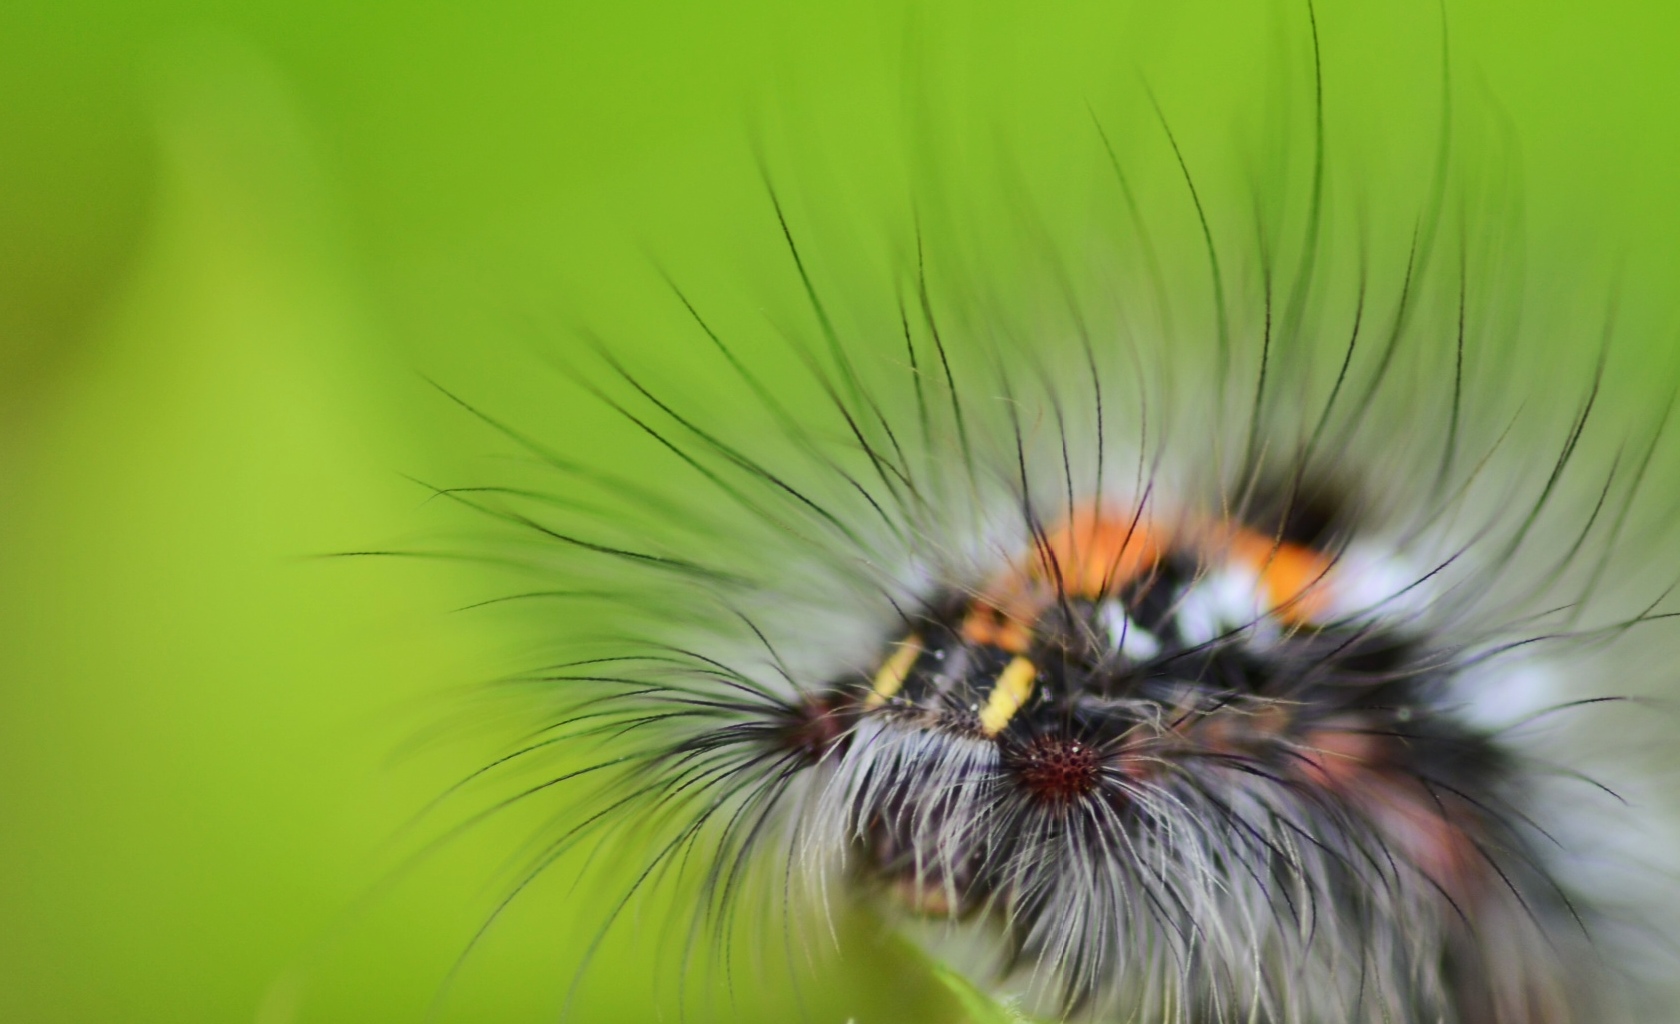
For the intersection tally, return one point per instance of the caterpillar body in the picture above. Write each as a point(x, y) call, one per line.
point(1154, 636)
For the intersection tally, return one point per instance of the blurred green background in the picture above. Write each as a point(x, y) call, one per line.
point(233, 237)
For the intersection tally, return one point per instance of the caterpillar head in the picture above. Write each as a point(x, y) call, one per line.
point(1183, 769)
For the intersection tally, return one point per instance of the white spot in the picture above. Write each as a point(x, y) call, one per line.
point(1504, 695)
point(1368, 581)
point(1125, 635)
point(1224, 600)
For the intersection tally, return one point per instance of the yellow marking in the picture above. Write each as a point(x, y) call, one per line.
point(1013, 688)
point(890, 679)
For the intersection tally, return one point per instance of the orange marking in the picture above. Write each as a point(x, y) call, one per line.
point(1292, 575)
point(1339, 756)
point(991, 627)
point(1236, 730)
point(1089, 556)
point(1433, 830)
point(1096, 553)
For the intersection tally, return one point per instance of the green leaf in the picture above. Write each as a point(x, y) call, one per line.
point(981, 1008)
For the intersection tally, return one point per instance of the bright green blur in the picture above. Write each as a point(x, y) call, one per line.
point(233, 241)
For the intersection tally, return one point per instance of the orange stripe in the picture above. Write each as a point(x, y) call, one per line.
point(1291, 574)
point(1096, 552)
point(1089, 556)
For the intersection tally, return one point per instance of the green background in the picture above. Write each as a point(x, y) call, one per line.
point(233, 238)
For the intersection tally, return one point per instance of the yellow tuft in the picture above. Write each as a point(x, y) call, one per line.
point(1013, 688)
point(890, 679)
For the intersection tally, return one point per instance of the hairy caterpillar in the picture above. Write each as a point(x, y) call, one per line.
point(1182, 619)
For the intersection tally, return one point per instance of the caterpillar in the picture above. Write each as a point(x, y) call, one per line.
point(1206, 608)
